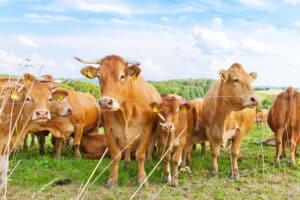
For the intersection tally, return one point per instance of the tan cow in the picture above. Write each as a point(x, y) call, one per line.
point(23, 104)
point(233, 92)
point(172, 131)
point(284, 122)
point(124, 102)
point(261, 117)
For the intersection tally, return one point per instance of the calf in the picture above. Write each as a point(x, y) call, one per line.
point(261, 117)
point(172, 132)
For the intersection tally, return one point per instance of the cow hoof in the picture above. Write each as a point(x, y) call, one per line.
point(234, 176)
point(57, 156)
point(126, 164)
point(77, 155)
point(167, 179)
point(174, 182)
point(111, 183)
point(25, 148)
point(213, 173)
point(276, 164)
point(143, 182)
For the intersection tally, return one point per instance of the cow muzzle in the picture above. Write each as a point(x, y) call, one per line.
point(251, 101)
point(41, 115)
point(168, 127)
point(108, 104)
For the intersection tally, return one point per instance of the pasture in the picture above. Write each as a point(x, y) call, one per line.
point(34, 175)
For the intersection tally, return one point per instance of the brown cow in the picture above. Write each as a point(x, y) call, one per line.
point(85, 116)
point(172, 131)
point(124, 102)
point(233, 92)
point(23, 104)
point(283, 121)
point(261, 117)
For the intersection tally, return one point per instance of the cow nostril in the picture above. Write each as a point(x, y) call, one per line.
point(38, 113)
point(46, 112)
point(253, 99)
point(69, 110)
point(110, 102)
point(100, 103)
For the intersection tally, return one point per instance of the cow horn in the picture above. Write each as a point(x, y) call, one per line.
point(87, 61)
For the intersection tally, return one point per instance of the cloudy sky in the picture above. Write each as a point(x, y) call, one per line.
point(172, 39)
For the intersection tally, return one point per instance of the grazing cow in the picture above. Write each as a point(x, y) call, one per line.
point(233, 92)
point(172, 131)
point(124, 102)
point(24, 104)
point(261, 117)
point(284, 122)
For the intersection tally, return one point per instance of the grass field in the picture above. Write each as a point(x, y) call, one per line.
point(259, 178)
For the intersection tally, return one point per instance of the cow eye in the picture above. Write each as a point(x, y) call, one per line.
point(27, 99)
point(236, 80)
point(122, 77)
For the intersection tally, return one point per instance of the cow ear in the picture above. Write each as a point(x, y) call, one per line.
point(223, 75)
point(155, 107)
point(89, 72)
point(184, 107)
point(134, 71)
point(60, 95)
point(29, 78)
point(253, 75)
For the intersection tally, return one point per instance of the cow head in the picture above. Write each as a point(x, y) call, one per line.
point(169, 110)
point(236, 89)
point(115, 77)
point(36, 98)
point(60, 105)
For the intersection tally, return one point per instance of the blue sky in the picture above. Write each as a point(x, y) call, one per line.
point(172, 39)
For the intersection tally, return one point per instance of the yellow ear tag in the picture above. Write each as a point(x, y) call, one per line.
point(14, 96)
point(184, 110)
point(89, 74)
point(59, 98)
point(28, 81)
point(133, 77)
point(155, 109)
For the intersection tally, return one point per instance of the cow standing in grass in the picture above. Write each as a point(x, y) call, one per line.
point(284, 121)
point(233, 92)
point(24, 103)
point(173, 129)
point(126, 114)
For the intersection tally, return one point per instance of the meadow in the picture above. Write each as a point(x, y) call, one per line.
point(34, 176)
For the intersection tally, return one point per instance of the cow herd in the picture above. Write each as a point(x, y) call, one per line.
point(138, 121)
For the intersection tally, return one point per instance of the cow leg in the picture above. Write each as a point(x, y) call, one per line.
point(176, 162)
point(140, 155)
point(203, 149)
point(77, 139)
point(278, 138)
point(293, 146)
point(127, 158)
point(284, 144)
point(25, 144)
point(235, 150)
point(296, 150)
point(167, 170)
point(41, 140)
point(116, 156)
point(32, 140)
point(58, 142)
point(151, 147)
point(3, 175)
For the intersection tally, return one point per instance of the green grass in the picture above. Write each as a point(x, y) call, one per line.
point(35, 171)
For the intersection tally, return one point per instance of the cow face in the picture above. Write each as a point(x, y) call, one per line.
point(169, 110)
point(236, 87)
point(60, 105)
point(115, 77)
point(36, 98)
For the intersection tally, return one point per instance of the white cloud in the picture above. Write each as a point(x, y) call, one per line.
point(164, 19)
point(292, 2)
point(27, 41)
point(259, 4)
point(250, 44)
point(108, 6)
point(213, 41)
point(119, 21)
point(297, 23)
point(48, 18)
point(9, 58)
point(217, 22)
